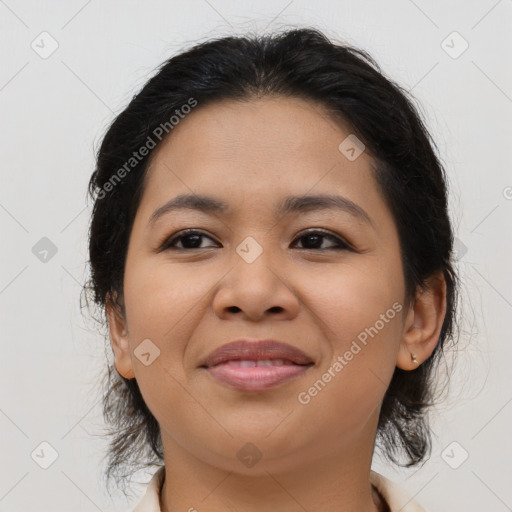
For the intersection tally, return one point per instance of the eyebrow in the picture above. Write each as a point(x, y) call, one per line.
point(291, 204)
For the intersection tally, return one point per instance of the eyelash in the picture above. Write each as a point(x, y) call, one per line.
point(167, 244)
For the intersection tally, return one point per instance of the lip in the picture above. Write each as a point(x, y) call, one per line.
point(256, 350)
point(224, 364)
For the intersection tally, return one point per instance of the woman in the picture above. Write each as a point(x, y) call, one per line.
point(271, 246)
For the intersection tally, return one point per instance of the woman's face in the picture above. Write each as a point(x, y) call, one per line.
point(254, 273)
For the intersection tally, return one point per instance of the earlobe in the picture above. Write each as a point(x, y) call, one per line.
point(119, 339)
point(423, 324)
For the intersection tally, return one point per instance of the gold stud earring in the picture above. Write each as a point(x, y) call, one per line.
point(413, 359)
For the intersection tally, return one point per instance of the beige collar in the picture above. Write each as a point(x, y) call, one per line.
point(397, 500)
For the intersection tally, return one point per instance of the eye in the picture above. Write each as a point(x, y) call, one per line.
point(314, 238)
point(191, 239)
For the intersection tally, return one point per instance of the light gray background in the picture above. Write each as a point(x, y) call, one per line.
point(54, 113)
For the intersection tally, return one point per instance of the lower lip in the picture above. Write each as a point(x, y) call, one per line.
point(258, 378)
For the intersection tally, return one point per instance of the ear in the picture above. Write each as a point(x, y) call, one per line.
point(119, 339)
point(423, 324)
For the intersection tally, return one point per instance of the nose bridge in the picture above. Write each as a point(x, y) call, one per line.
point(256, 233)
point(257, 259)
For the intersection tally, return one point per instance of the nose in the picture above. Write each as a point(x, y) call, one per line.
point(256, 290)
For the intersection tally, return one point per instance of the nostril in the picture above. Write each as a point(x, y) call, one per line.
point(274, 309)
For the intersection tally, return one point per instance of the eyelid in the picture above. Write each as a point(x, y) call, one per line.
point(165, 243)
point(342, 242)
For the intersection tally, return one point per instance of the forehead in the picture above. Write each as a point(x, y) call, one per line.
point(264, 128)
point(257, 152)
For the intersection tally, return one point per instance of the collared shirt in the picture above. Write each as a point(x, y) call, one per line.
point(397, 500)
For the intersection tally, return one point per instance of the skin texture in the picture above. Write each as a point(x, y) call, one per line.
point(188, 302)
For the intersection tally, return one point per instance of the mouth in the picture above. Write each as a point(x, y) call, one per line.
point(260, 375)
point(256, 365)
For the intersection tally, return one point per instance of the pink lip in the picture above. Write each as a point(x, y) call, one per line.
point(258, 378)
point(224, 364)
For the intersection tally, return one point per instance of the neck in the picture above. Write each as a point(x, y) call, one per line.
point(336, 480)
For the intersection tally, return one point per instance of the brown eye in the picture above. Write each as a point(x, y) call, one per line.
point(314, 240)
point(190, 239)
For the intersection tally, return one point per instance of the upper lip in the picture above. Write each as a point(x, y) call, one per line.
point(256, 350)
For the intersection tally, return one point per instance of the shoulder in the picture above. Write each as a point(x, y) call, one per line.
point(151, 500)
point(396, 498)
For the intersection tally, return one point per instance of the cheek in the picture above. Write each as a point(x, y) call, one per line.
point(361, 312)
point(361, 317)
point(160, 304)
point(159, 296)
point(351, 298)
